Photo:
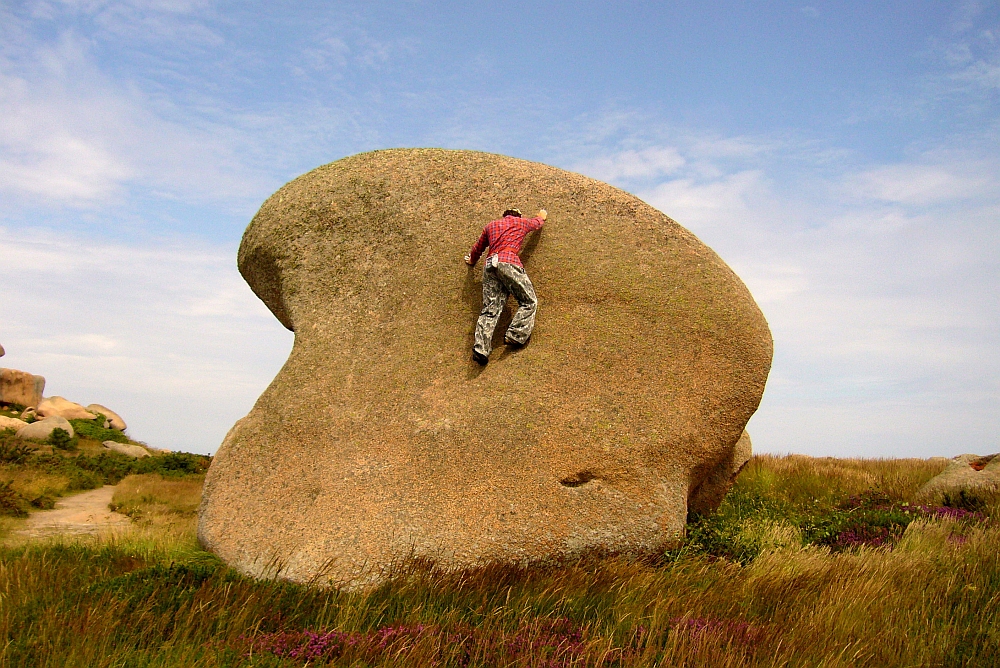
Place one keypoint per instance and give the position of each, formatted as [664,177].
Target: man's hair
[512,212]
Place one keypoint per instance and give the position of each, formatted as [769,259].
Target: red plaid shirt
[504,237]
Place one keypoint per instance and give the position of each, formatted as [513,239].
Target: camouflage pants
[498,284]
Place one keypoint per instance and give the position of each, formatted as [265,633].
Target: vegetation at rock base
[809,562]
[94,430]
[33,474]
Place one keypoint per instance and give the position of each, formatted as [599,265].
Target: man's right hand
[468,260]
[542,213]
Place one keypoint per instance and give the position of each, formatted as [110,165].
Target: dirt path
[81,514]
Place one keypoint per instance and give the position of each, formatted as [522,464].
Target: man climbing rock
[504,275]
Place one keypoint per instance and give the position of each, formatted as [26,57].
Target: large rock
[965,472]
[381,440]
[20,387]
[136,451]
[44,428]
[57,406]
[10,423]
[115,420]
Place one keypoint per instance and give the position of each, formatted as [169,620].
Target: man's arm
[477,249]
[539,220]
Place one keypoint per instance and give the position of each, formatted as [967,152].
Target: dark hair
[512,212]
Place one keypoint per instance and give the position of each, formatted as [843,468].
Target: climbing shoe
[512,343]
[479,358]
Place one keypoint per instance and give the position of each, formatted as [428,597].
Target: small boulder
[136,451]
[20,387]
[114,419]
[968,472]
[44,428]
[10,423]
[28,412]
[58,406]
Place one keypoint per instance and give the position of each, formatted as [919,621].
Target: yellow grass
[158,503]
[36,485]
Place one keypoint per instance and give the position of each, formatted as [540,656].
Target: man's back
[504,238]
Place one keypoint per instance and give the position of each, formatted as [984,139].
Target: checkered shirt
[504,237]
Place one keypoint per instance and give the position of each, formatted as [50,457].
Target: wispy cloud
[73,136]
[645,164]
[923,184]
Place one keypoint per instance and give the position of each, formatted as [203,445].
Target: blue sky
[842,157]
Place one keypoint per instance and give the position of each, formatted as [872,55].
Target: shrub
[111,467]
[60,438]
[13,452]
[11,503]
[94,430]
[757,515]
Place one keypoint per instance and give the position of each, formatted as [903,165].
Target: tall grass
[928,597]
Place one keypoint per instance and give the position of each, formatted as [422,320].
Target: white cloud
[73,136]
[700,203]
[168,335]
[44,146]
[644,164]
[923,184]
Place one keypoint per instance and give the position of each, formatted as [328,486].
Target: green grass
[757,584]
[94,430]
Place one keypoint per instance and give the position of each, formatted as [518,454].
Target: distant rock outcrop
[42,429]
[381,440]
[115,420]
[58,406]
[20,387]
[965,472]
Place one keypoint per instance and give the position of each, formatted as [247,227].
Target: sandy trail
[81,514]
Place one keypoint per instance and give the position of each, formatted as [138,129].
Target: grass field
[809,562]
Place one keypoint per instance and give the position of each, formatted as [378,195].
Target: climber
[504,275]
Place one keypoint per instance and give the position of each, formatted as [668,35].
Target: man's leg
[517,282]
[494,299]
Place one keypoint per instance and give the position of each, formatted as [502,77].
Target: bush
[111,467]
[11,503]
[60,438]
[754,518]
[94,430]
[12,452]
